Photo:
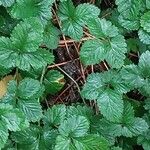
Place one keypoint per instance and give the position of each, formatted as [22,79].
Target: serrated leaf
[25,96]
[21,52]
[75,126]
[6,3]
[144,36]
[107,88]
[28,8]
[31,109]
[110,102]
[86,11]
[51,36]
[131,75]
[92,52]
[30,88]
[128,126]
[144,64]
[63,143]
[91,142]
[80,111]
[130,8]
[55,116]
[145,21]
[144,140]
[74,19]
[54,81]
[133,24]
[3,134]
[111,45]
[12,118]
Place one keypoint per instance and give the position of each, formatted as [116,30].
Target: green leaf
[148,4]
[55,116]
[75,126]
[12,118]
[53,81]
[111,102]
[6,3]
[27,139]
[128,126]
[110,45]
[144,64]
[80,111]
[145,23]
[92,52]
[74,19]
[31,109]
[107,88]
[3,134]
[144,140]
[130,8]
[131,75]
[51,36]
[144,36]
[86,11]
[101,28]
[26,36]
[30,89]
[63,143]
[28,8]
[25,96]
[133,24]
[91,142]
[23,45]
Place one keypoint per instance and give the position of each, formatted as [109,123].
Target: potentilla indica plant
[108,118]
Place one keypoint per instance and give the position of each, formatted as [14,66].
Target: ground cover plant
[75,74]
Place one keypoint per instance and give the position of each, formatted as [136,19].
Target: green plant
[111,115]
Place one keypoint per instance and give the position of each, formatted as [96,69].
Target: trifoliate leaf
[144,140]
[27,35]
[74,19]
[145,23]
[130,8]
[75,126]
[128,126]
[51,36]
[110,45]
[55,116]
[31,109]
[54,81]
[3,134]
[6,3]
[30,88]
[21,51]
[90,142]
[107,88]
[144,36]
[25,96]
[28,8]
